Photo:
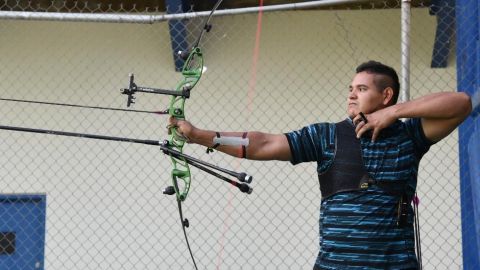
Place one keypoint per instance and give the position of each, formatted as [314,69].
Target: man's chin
[351,114]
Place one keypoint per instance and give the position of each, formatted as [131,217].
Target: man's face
[364,96]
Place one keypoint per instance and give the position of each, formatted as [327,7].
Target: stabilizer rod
[243,177]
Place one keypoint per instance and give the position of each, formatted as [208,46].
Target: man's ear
[387,96]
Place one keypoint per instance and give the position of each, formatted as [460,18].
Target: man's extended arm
[441,113]
[262,146]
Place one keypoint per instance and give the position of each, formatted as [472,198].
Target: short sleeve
[309,143]
[415,130]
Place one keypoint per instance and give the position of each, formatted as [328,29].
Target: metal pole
[405,50]
[151,19]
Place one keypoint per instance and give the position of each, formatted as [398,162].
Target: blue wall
[22,218]
[468,73]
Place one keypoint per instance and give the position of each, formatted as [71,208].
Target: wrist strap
[244,147]
[210,149]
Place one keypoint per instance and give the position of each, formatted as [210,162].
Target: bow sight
[133,88]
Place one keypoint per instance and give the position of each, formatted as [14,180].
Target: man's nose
[352,94]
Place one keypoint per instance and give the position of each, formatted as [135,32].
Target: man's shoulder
[320,127]
[403,126]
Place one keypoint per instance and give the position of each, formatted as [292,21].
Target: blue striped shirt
[358,229]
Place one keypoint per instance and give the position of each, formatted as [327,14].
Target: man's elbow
[465,105]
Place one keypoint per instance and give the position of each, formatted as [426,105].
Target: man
[367,166]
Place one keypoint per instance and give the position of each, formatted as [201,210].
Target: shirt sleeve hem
[293,160]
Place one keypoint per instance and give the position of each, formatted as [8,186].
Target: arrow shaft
[79,135]
[77,106]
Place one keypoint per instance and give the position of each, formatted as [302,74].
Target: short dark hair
[389,78]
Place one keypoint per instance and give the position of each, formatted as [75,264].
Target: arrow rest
[186,90]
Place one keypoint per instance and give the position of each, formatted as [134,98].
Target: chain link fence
[104,203]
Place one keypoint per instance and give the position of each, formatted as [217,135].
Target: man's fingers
[172,124]
[172,120]
[364,128]
[363,117]
[359,126]
[357,120]
[376,131]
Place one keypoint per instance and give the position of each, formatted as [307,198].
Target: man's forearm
[440,113]
[445,105]
[206,138]
[261,146]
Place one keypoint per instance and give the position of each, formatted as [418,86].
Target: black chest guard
[347,172]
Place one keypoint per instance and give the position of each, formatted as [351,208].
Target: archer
[367,166]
